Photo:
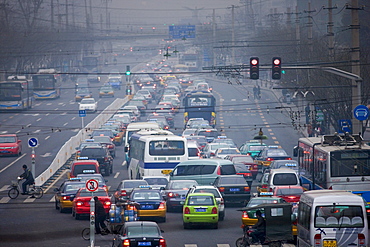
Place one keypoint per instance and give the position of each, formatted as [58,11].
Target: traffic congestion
[155,135]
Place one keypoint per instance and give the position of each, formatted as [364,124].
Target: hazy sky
[168,11]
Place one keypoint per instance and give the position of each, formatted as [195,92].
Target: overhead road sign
[182,31]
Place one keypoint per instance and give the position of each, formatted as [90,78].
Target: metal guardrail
[68,149]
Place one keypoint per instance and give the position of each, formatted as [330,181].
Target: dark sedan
[233,188]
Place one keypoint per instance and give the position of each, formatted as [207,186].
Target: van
[204,171]
[193,150]
[282,177]
[332,218]
[83,166]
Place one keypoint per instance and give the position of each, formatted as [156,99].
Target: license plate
[166,172]
[330,243]
[200,210]
[147,207]
[144,244]
[234,189]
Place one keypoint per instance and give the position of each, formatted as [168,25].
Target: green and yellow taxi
[63,194]
[252,148]
[151,203]
[106,91]
[200,209]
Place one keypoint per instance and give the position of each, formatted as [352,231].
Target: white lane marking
[4,132]
[20,157]
[28,125]
[116,175]
[5,187]
[18,131]
[29,199]
[190,245]
[47,114]
[124,163]
[5,200]
[36,131]
[52,199]
[223,245]
[73,118]
[47,137]
[39,119]
[233,99]
[65,124]
[45,155]
[63,114]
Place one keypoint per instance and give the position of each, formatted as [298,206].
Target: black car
[233,188]
[139,233]
[102,155]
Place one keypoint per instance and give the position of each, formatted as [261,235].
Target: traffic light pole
[33,162]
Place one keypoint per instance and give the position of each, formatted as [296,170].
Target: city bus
[46,84]
[155,152]
[200,104]
[135,127]
[16,94]
[337,162]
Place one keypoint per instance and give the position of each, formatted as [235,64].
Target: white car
[221,153]
[88,104]
[132,108]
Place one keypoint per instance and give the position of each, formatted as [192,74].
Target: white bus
[154,153]
[135,127]
[332,218]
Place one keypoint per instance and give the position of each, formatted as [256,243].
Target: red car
[10,144]
[81,202]
[290,194]
[246,160]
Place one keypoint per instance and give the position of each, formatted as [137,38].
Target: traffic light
[276,68]
[254,69]
[128,72]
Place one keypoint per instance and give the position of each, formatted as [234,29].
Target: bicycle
[33,190]
[86,231]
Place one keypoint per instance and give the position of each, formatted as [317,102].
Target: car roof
[140,223]
[202,194]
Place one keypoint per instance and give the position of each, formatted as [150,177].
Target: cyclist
[260,229]
[27,175]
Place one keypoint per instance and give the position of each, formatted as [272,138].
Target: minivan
[282,176]
[204,171]
[332,218]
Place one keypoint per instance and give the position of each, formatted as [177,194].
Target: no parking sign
[92,185]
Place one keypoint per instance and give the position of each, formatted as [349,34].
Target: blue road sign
[345,125]
[82,113]
[182,31]
[361,112]
[33,142]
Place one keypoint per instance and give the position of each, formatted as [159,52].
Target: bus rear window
[168,148]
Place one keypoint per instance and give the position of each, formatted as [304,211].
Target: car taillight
[269,159]
[161,205]
[123,193]
[107,203]
[66,198]
[162,243]
[186,210]
[126,242]
[245,215]
[171,194]
[249,154]
[246,189]
[166,127]
[361,240]
[219,171]
[214,210]
[110,146]
[79,203]
[288,158]
[264,186]
[317,240]
[212,154]
[221,189]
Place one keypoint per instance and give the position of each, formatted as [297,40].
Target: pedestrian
[100,216]
[27,175]
[259,92]
[255,92]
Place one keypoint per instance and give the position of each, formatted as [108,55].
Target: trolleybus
[46,84]
[155,152]
[338,162]
[16,94]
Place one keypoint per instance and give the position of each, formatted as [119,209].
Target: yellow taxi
[249,217]
[151,203]
[118,131]
[268,154]
[263,186]
[63,194]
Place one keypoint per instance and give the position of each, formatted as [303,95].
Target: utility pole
[214,34]
[67,24]
[52,14]
[330,33]
[309,25]
[355,62]
[233,35]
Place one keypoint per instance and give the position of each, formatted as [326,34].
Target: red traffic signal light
[254,68]
[276,68]
[33,156]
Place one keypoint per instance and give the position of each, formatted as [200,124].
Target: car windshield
[81,169]
[156,181]
[140,231]
[228,151]
[256,202]
[200,200]
[246,159]
[289,191]
[255,148]
[212,191]
[73,187]
[277,152]
[133,184]
[87,101]
[182,185]
[92,152]
[146,195]
[7,139]
[105,139]
[85,193]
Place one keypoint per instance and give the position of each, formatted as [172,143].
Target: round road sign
[92,185]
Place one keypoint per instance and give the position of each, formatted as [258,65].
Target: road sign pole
[33,163]
[92,221]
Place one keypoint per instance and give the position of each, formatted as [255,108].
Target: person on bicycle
[259,232]
[27,175]
[100,215]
